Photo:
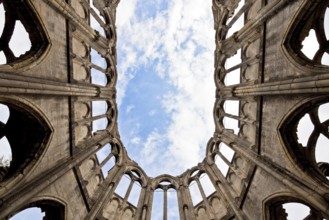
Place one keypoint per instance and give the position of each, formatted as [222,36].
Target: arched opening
[18,141]
[200,187]
[106,159]
[306,136]
[18,23]
[223,158]
[308,37]
[41,210]
[129,188]
[288,208]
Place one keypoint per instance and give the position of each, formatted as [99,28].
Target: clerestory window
[309,35]
[45,209]
[20,146]
[306,135]
[22,36]
[288,208]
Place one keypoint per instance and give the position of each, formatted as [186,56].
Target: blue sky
[166,90]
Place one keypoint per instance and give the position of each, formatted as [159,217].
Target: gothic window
[233,69]
[223,157]
[106,159]
[231,115]
[200,187]
[306,134]
[96,19]
[99,115]
[309,36]
[236,21]
[5,153]
[18,141]
[286,208]
[165,202]
[129,187]
[21,35]
[45,209]
[98,69]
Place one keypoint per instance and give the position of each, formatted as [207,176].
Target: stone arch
[27,145]
[304,156]
[308,17]
[273,207]
[52,207]
[39,39]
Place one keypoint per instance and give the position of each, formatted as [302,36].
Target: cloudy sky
[166,90]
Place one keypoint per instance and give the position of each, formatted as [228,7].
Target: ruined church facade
[53,89]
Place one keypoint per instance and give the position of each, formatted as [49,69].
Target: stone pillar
[307,190]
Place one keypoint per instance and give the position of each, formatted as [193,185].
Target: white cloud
[129,108]
[180,41]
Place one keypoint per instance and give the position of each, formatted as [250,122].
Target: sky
[166,90]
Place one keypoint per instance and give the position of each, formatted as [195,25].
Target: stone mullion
[15,84]
[165,203]
[144,205]
[185,201]
[93,12]
[101,48]
[244,9]
[243,64]
[96,67]
[88,120]
[107,158]
[228,163]
[307,190]
[107,190]
[241,119]
[131,184]
[120,209]
[210,211]
[98,168]
[23,193]
[86,63]
[231,166]
[224,188]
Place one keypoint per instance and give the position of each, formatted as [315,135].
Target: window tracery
[26,145]
[200,187]
[165,201]
[223,157]
[305,133]
[44,209]
[308,37]
[286,207]
[22,36]
[129,187]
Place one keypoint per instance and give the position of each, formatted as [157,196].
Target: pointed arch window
[22,36]
[45,209]
[18,141]
[165,202]
[309,35]
[286,207]
[306,136]
[200,187]
[129,188]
